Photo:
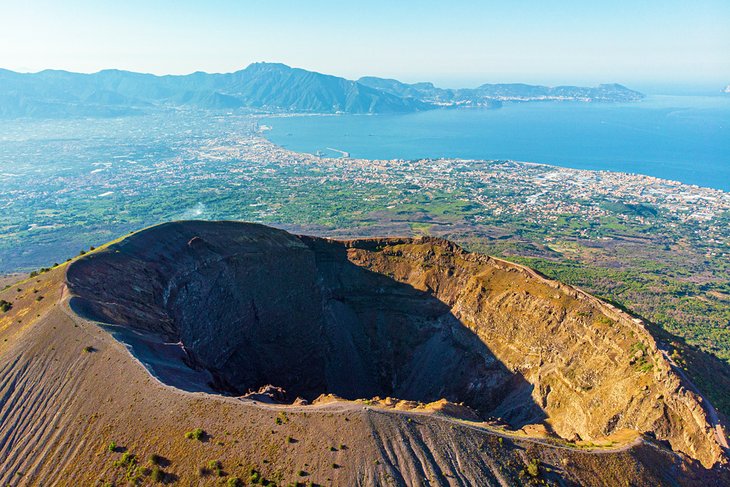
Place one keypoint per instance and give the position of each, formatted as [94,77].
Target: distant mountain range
[261,86]
[490,95]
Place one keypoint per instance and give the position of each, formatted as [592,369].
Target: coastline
[646,179]
[657,136]
[507,190]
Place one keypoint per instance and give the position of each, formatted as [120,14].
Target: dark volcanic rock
[234,307]
[256,306]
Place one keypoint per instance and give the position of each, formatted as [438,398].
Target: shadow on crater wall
[230,307]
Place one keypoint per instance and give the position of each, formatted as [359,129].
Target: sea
[682,138]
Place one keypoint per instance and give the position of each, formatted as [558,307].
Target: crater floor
[254,306]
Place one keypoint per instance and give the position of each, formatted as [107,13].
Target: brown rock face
[233,307]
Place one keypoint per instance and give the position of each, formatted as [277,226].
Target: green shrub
[644,367]
[127,460]
[156,474]
[196,434]
[234,482]
[134,474]
[640,357]
[216,466]
[112,447]
[605,320]
[255,478]
[5,306]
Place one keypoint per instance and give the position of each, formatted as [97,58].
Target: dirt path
[529,439]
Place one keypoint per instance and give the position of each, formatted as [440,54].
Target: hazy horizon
[441,81]
[455,45]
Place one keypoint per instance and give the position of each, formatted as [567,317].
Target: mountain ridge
[270,87]
[491,95]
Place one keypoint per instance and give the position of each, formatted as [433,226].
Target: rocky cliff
[414,319]
[361,362]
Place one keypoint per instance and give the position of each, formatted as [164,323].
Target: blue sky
[453,42]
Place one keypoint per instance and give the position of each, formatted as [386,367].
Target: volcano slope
[378,361]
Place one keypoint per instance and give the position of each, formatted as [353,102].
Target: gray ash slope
[397,315]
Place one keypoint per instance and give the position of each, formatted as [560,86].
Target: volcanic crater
[231,307]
